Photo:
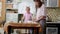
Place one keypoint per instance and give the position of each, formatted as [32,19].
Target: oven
[52,28]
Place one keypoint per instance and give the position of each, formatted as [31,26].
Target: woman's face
[36,4]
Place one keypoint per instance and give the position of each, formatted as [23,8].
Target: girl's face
[28,9]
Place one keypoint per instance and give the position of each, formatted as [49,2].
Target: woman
[40,13]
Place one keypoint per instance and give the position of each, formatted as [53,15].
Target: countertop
[52,22]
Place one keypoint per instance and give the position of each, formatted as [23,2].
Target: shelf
[11,9]
[9,3]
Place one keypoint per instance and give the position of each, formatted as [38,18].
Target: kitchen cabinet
[11,17]
[59,3]
[11,10]
[12,6]
[12,3]
[52,3]
[9,3]
[2,17]
[0,8]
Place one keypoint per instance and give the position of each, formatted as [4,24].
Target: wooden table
[35,27]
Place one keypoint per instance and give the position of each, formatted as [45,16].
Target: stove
[52,28]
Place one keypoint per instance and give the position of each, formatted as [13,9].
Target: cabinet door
[51,30]
[11,17]
[2,16]
[59,3]
[51,3]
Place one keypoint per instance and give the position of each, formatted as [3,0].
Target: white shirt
[41,12]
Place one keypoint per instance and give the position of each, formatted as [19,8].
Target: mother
[40,13]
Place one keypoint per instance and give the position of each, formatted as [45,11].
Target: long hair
[39,2]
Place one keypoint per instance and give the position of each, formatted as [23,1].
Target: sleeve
[43,11]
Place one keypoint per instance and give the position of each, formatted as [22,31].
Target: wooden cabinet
[2,17]
[59,3]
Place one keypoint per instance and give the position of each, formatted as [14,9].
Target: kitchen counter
[52,22]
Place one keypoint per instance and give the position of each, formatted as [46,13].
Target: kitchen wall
[54,14]
[26,3]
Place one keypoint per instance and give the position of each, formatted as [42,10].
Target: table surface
[20,25]
[24,25]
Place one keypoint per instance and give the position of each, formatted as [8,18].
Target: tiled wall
[54,14]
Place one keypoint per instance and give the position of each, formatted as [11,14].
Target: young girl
[27,17]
